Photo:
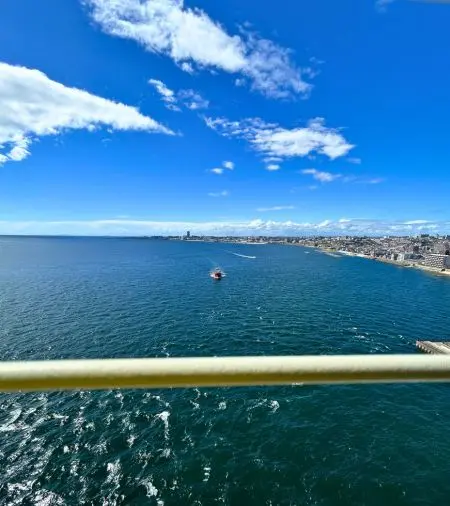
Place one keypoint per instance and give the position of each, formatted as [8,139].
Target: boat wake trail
[242,256]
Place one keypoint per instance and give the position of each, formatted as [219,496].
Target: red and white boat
[217,274]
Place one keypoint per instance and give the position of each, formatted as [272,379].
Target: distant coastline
[405,264]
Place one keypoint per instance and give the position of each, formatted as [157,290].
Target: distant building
[437,261]
[442,248]
[188,234]
[408,256]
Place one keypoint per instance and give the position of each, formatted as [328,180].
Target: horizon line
[200,237]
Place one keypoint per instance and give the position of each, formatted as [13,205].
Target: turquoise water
[327,445]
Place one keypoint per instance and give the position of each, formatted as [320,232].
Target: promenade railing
[221,371]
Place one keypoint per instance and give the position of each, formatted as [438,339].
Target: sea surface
[296,445]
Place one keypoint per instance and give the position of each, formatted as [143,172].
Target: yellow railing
[220,371]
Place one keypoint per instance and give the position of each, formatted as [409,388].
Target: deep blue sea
[298,445]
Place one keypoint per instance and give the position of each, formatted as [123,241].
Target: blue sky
[133,117]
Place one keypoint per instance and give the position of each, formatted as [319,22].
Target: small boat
[217,274]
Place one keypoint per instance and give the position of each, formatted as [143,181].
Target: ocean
[293,445]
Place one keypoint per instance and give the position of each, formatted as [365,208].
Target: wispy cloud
[32,106]
[167,95]
[362,179]
[417,222]
[328,177]
[20,150]
[169,28]
[275,208]
[124,227]
[272,167]
[192,100]
[322,176]
[188,98]
[354,160]
[187,67]
[223,193]
[277,142]
[228,165]
[270,159]
[381,5]
[270,70]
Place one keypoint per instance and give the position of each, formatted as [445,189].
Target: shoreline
[404,264]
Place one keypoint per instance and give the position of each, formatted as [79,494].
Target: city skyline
[158,117]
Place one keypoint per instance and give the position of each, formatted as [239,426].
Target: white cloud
[324,224]
[32,106]
[276,142]
[328,177]
[225,165]
[194,41]
[270,159]
[228,165]
[193,100]
[167,95]
[323,177]
[20,150]
[188,98]
[124,227]
[271,71]
[272,166]
[362,180]
[275,208]
[416,222]
[223,193]
[187,67]
[356,161]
